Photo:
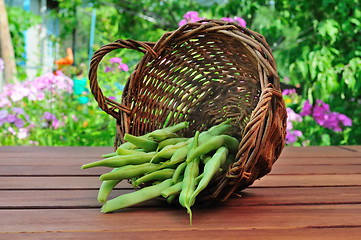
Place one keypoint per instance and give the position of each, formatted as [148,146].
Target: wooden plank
[308,180]
[318,161]
[35,183]
[249,197]
[145,220]
[20,183]
[352,233]
[45,152]
[49,161]
[316,169]
[44,170]
[319,151]
[356,148]
[75,170]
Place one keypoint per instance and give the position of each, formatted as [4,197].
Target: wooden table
[311,193]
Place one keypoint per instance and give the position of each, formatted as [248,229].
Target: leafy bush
[51,110]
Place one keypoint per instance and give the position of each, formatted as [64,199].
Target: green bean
[176,188]
[171,198]
[214,143]
[123,151]
[168,151]
[109,155]
[177,127]
[188,185]
[156,175]
[129,171]
[128,145]
[170,141]
[190,173]
[121,160]
[136,197]
[161,134]
[178,172]
[210,169]
[141,142]
[106,187]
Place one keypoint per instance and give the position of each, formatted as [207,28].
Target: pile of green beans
[162,163]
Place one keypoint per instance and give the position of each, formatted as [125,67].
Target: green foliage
[19,21]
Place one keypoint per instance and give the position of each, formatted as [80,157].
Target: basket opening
[203,80]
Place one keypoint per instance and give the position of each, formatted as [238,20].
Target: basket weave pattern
[204,73]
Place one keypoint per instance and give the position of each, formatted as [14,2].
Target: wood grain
[311,192]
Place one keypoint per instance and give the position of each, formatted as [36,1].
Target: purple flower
[307,109]
[344,119]
[18,110]
[19,123]
[107,69]
[11,118]
[289,91]
[3,113]
[292,136]
[3,116]
[48,116]
[51,120]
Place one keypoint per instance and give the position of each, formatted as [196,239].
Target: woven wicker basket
[204,73]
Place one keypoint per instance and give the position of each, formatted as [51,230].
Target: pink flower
[240,21]
[11,130]
[123,67]
[23,133]
[115,60]
[292,116]
[190,16]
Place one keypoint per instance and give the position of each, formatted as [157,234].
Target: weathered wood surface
[311,193]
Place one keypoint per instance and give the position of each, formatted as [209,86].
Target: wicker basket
[204,73]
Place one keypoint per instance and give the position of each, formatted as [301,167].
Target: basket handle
[107,104]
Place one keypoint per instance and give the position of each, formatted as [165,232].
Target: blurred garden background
[46,46]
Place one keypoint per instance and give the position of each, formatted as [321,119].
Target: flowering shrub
[46,111]
[315,124]
[193,16]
